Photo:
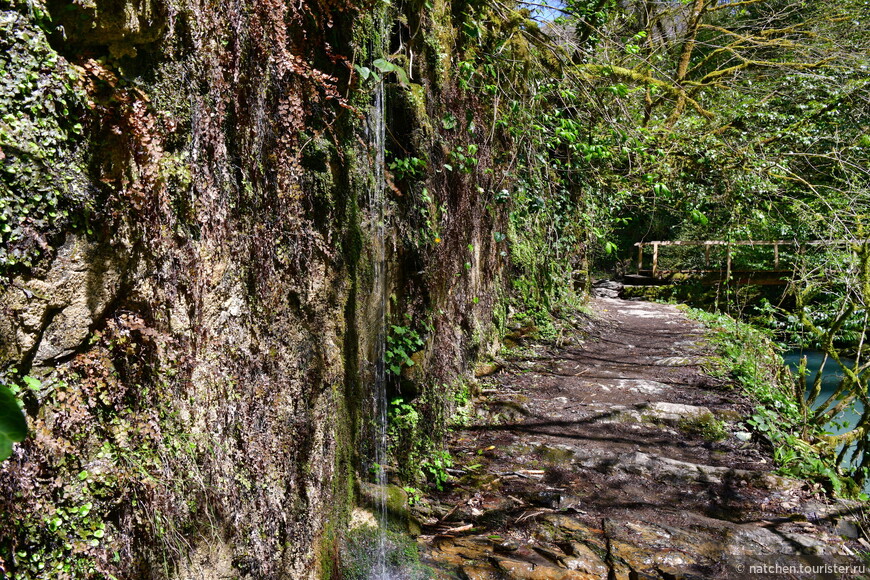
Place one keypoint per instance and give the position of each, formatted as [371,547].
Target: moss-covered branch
[593,71]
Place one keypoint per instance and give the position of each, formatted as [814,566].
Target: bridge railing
[783,253]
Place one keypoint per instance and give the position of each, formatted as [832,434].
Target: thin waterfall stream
[379,285]
[377,135]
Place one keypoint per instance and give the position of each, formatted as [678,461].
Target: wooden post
[727,262]
[639,257]
[775,256]
[655,259]
[707,254]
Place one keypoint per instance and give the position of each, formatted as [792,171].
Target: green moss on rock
[42,180]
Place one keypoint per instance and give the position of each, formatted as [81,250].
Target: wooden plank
[709,277]
[715,271]
[751,242]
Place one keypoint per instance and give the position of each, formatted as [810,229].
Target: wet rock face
[120,25]
[196,332]
[177,326]
[399,515]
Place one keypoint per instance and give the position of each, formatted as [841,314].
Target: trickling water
[379,286]
[377,135]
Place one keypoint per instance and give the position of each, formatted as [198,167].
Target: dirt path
[619,458]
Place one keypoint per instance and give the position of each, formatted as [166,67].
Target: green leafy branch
[385,67]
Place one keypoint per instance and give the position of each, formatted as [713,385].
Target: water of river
[832,374]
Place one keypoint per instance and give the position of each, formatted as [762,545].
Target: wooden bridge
[779,272]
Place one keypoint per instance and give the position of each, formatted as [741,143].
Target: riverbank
[620,455]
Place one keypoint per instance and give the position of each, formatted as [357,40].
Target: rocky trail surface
[619,457]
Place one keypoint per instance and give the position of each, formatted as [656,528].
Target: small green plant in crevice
[405,439]
[404,418]
[448,122]
[402,343]
[462,395]
[463,159]
[408,168]
[385,67]
[415,496]
[463,407]
[431,217]
[705,426]
[531,313]
[413,447]
[435,467]
[13,427]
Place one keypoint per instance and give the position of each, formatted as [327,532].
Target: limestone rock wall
[184,310]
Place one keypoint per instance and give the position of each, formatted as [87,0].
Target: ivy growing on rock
[42,186]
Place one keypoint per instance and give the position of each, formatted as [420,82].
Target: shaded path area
[620,458]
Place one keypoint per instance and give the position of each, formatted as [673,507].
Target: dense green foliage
[711,120]
[727,123]
[801,449]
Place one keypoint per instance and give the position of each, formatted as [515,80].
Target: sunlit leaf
[13,426]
